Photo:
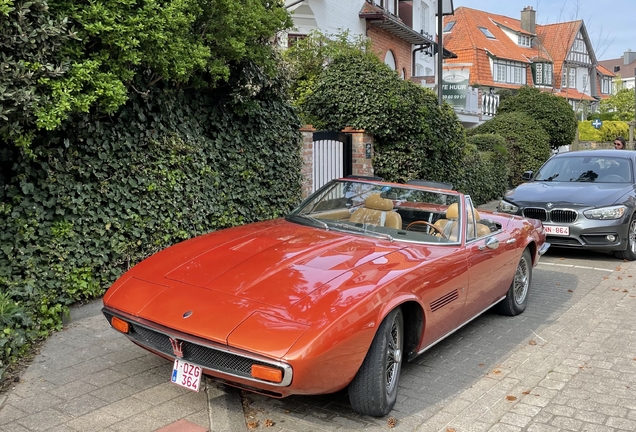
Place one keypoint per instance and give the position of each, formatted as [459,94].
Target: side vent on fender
[444,300]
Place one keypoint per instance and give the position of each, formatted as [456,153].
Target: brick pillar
[308,159]
[362,148]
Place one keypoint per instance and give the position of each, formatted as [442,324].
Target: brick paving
[567,364]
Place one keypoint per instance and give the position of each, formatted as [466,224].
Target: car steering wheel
[441,233]
[614,177]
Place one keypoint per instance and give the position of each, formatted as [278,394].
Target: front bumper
[591,234]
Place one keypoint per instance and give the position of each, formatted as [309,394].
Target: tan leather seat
[377,211]
[448,226]
[482,230]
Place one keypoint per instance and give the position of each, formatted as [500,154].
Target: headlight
[506,207]
[614,212]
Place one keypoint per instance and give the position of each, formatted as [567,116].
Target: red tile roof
[472,46]
[557,40]
[604,71]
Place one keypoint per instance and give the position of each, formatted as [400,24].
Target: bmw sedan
[585,199]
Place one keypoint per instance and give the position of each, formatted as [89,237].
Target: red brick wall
[361,164]
[384,41]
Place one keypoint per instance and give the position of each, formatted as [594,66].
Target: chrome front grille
[554,215]
[535,213]
[205,356]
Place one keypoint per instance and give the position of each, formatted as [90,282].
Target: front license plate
[186,374]
[556,230]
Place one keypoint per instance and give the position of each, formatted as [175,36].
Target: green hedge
[101,194]
[607,132]
[413,136]
[526,141]
[484,174]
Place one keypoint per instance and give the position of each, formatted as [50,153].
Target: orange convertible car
[361,277]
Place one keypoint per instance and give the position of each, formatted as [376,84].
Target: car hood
[575,194]
[235,285]
[275,263]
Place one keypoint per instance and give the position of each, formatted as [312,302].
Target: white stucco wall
[330,17]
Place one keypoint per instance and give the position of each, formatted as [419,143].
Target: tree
[526,141]
[553,113]
[414,137]
[621,105]
[185,43]
[309,56]
[31,41]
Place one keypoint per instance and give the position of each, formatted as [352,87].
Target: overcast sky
[610,23]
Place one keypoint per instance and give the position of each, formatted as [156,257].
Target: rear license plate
[186,374]
[556,230]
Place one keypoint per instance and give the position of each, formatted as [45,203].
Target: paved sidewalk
[576,372]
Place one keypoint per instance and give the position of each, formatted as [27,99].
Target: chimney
[629,56]
[529,19]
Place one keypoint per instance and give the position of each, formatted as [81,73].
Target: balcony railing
[390,6]
[489,104]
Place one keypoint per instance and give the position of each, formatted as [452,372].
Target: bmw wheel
[629,253]
[517,296]
[373,391]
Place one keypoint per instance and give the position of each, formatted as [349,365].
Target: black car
[585,199]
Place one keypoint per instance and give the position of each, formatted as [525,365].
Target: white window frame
[509,72]
[548,74]
[424,14]
[523,40]
[538,73]
[572,78]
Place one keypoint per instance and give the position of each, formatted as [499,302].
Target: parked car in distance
[585,199]
[361,277]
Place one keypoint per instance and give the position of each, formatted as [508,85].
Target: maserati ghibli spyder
[361,277]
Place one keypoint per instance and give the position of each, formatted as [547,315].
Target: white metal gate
[332,157]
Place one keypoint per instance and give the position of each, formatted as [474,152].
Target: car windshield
[392,212]
[601,169]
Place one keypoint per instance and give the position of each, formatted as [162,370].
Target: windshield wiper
[362,230]
[312,219]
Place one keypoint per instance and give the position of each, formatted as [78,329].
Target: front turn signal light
[267,373]
[120,324]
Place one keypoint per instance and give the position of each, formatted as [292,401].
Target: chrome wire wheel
[393,356]
[521,281]
[631,236]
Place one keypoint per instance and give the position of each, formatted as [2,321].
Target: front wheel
[629,254]
[373,391]
[517,296]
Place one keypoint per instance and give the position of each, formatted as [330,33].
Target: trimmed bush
[484,174]
[607,132]
[553,113]
[526,141]
[101,194]
[414,138]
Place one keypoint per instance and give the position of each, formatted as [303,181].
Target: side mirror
[527,176]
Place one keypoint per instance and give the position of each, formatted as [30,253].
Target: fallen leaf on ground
[532,342]
[450,430]
[511,398]
[570,291]
[391,422]
[496,371]
[619,278]
[625,291]
[269,423]
[252,425]
[525,392]
[605,277]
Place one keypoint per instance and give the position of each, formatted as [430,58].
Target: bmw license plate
[186,374]
[556,230]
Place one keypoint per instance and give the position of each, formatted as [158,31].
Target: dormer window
[448,27]
[487,33]
[524,40]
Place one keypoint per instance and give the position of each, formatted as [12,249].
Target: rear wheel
[373,391]
[517,296]
[629,253]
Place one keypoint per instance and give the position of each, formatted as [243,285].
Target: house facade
[623,69]
[402,32]
[501,52]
